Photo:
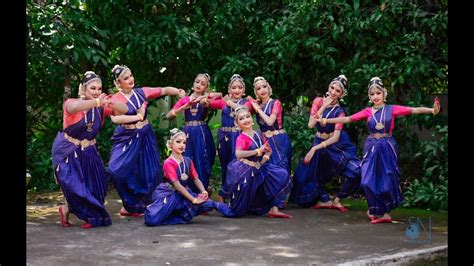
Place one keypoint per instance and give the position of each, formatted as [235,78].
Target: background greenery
[299,46]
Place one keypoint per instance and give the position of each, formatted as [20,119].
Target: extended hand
[436,106]
[181,93]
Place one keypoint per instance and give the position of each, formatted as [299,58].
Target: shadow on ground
[312,237]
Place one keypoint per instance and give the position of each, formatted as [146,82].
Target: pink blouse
[170,167]
[317,103]
[71,119]
[397,110]
[220,104]
[152,92]
[278,111]
[243,142]
[181,102]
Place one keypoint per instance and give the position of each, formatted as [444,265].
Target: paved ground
[313,237]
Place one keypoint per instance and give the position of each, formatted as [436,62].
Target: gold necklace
[379,124]
[183,175]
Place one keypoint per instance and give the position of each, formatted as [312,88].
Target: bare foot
[220,199]
[278,214]
[124,212]
[327,203]
[338,206]
[64,215]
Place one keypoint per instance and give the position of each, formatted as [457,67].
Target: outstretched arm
[103,100]
[425,110]
[173,91]
[422,110]
[402,110]
[75,106]
[342,120]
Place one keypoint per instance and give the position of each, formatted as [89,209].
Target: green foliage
[296,125]
[435,154]
[38,159]
[432,190]
[426,194]
[298,46]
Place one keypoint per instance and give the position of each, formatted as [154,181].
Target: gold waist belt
[251,163]
[380,135]
[138,124]
[84,143]
[271,133]
[195,123]
[229,129]
[324,135]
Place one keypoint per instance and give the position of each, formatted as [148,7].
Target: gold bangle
[140,117]
[97,102]
[204,192]
[324,120]
[324,144]
[434,113]
[195,200]
[173,112]
[266,157]
[258,152]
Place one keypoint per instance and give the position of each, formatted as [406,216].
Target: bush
[432,190]
[39,164]
[296,125]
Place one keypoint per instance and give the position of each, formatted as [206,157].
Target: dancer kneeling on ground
[173,200]
[253,185]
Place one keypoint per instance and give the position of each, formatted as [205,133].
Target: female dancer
[253,184]
[134,159]
[173,200]
[379,166]
[332,154]
[228,132]
[269,116]
[77,165]
[200,144]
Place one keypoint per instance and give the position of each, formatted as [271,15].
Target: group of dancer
[256,164]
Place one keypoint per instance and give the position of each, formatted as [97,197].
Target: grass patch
[440,218]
